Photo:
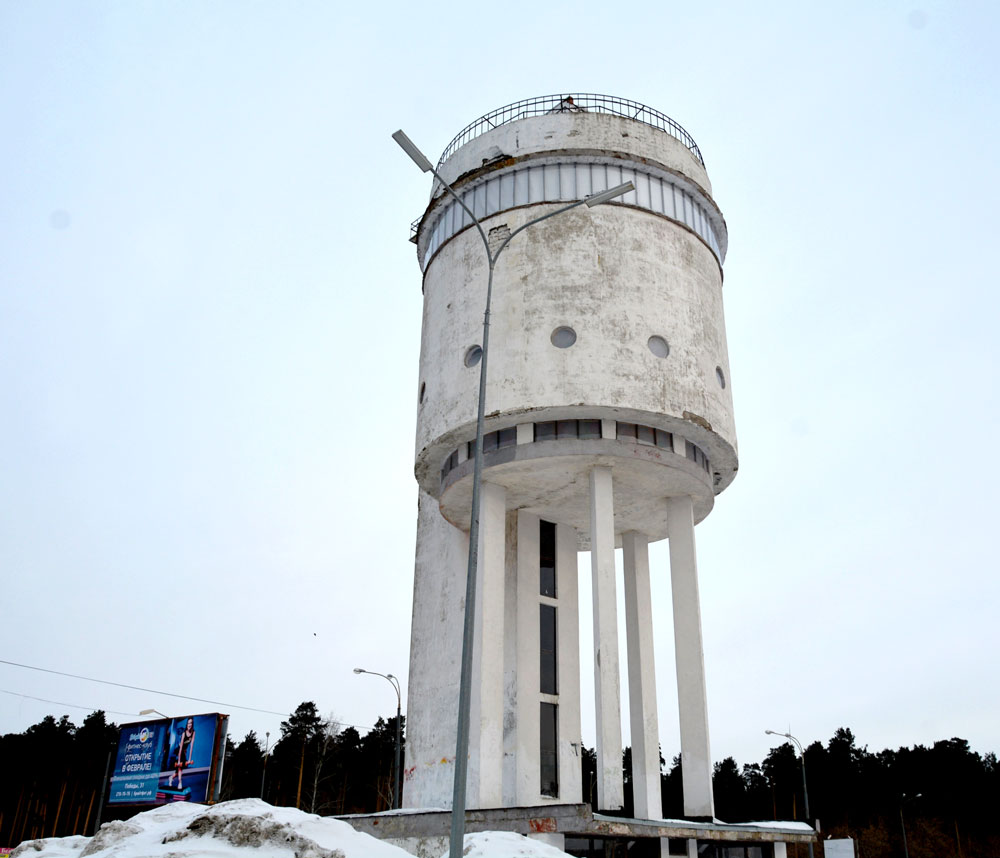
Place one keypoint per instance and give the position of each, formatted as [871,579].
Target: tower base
[576,829]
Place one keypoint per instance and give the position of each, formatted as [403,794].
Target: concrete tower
[609,424]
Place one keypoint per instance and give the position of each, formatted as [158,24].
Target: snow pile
[506,844]
[250,828]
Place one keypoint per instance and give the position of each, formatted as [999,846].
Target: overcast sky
[209,330]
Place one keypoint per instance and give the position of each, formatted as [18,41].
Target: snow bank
[506,844]
[250,828]
[233,829]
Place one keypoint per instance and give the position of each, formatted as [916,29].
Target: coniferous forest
[947,796]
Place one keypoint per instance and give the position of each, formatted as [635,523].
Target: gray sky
[209,323]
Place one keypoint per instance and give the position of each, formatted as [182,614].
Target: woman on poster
[184,754]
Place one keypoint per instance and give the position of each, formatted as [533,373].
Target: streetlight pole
[805,788]
[263,771]
[902,822]
[397,780]
[465,687]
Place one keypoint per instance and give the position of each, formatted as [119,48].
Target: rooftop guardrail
[575,102]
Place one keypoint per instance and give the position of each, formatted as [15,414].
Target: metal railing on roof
[575,102]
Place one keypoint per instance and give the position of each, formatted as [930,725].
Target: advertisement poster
[164,761]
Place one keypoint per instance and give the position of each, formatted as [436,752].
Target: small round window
[563,337]
[658,346]
[720,377]
[473,355]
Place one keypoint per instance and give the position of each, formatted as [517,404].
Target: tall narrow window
[547,637]
[547,559]
[549,750]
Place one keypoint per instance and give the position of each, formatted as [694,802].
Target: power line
[140,688]
[71,705]
[148,690]
[114,711]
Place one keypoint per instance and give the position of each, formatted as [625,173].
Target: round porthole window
[658,346]
[563,337]
[473,355]
[720,376]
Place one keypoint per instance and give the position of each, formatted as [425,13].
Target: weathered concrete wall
[435,659]
[617,277]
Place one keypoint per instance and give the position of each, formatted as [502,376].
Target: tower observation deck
[609,424]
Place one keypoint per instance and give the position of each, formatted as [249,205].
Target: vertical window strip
[643,191]
[567,182]
[548,757]
[493,196]
[547,672]
[507,190]
[547,559]
[521,194]
[536,184]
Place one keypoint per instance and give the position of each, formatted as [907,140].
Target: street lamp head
[609,194]
[358,670]
[406,144]
[770,733]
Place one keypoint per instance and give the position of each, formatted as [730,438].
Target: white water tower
[609,424]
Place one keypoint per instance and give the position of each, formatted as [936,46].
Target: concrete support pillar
[485,774]
[510,657]
[435,658]
[568,642]
[692,696]
[641,679]
[610,788]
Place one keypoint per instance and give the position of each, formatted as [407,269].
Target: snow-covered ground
[250,827]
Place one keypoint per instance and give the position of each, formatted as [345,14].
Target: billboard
[174,759]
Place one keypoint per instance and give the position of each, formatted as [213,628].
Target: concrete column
[610,788]
[510,656]
[568,643]
[692,696]
[485,774]
[641,679]
[435,658]
[527,776]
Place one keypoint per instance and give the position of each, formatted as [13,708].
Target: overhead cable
[140,688]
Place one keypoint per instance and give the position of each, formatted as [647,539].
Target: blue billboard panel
[168,760]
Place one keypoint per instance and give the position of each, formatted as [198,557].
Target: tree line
[947,796]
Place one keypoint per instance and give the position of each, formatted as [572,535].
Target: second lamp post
[805,789]
[397,780]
